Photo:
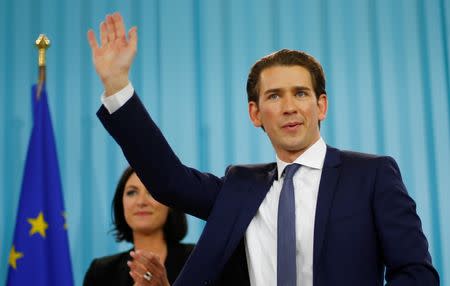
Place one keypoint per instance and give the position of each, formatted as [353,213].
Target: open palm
[113,58]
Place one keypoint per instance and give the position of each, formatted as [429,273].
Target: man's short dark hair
[286,57]
[175,228]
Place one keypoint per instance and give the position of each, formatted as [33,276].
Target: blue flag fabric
[40,251]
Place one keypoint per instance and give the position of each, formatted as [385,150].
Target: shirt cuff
[113,102]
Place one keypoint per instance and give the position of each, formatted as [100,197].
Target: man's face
[288,110]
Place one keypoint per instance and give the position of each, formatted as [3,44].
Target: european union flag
[40,251]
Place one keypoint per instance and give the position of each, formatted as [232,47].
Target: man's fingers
[92,40]
[110,28]
[132,36]
[103,33]
[119,26]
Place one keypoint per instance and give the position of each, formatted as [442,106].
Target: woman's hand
[146,269]
[113,58]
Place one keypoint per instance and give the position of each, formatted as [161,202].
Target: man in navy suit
[355,224]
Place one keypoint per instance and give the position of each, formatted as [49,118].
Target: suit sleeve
[148,152]
[404,245]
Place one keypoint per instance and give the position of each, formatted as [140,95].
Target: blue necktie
[286,250]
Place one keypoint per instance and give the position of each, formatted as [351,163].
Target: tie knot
[290,170]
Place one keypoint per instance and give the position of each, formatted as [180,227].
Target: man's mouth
[291,125]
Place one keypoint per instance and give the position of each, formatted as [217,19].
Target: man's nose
[289,104]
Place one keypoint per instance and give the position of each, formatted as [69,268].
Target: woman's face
[142,212]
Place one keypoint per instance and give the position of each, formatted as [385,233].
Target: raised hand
[113,58]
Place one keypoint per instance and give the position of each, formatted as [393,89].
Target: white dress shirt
[261,234]
[117,100]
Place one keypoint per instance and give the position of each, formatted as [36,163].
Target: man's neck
[290,156]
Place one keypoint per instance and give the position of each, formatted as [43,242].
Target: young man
[317,216]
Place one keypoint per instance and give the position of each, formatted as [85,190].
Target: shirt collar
[313,157]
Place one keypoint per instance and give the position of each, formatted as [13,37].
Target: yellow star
[64,214]
[38,225]
[13,256]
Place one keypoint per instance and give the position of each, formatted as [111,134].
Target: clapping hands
[147,269]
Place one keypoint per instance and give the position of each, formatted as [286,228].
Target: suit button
[207,282]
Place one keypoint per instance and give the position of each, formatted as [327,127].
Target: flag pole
[42,43]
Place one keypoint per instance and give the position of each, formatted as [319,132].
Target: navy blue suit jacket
[366,226]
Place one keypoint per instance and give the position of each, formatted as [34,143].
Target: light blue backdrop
[387,64]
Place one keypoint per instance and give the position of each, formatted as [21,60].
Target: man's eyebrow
[301,87]
[297,87]
[272,90]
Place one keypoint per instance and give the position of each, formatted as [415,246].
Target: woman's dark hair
[175,228]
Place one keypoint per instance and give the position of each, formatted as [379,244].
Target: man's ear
[253,111]
[322,104]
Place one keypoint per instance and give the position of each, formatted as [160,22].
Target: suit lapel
[250,202]
[257,192]
[327,187]
[235,207]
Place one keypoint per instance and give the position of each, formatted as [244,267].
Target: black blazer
[113,269]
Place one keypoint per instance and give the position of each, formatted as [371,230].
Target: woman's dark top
[113,270]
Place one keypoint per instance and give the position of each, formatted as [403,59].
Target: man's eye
[301,93]
[273,96]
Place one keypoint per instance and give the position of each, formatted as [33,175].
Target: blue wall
[387,65]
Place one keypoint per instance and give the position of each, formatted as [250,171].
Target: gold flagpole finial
[42,43]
